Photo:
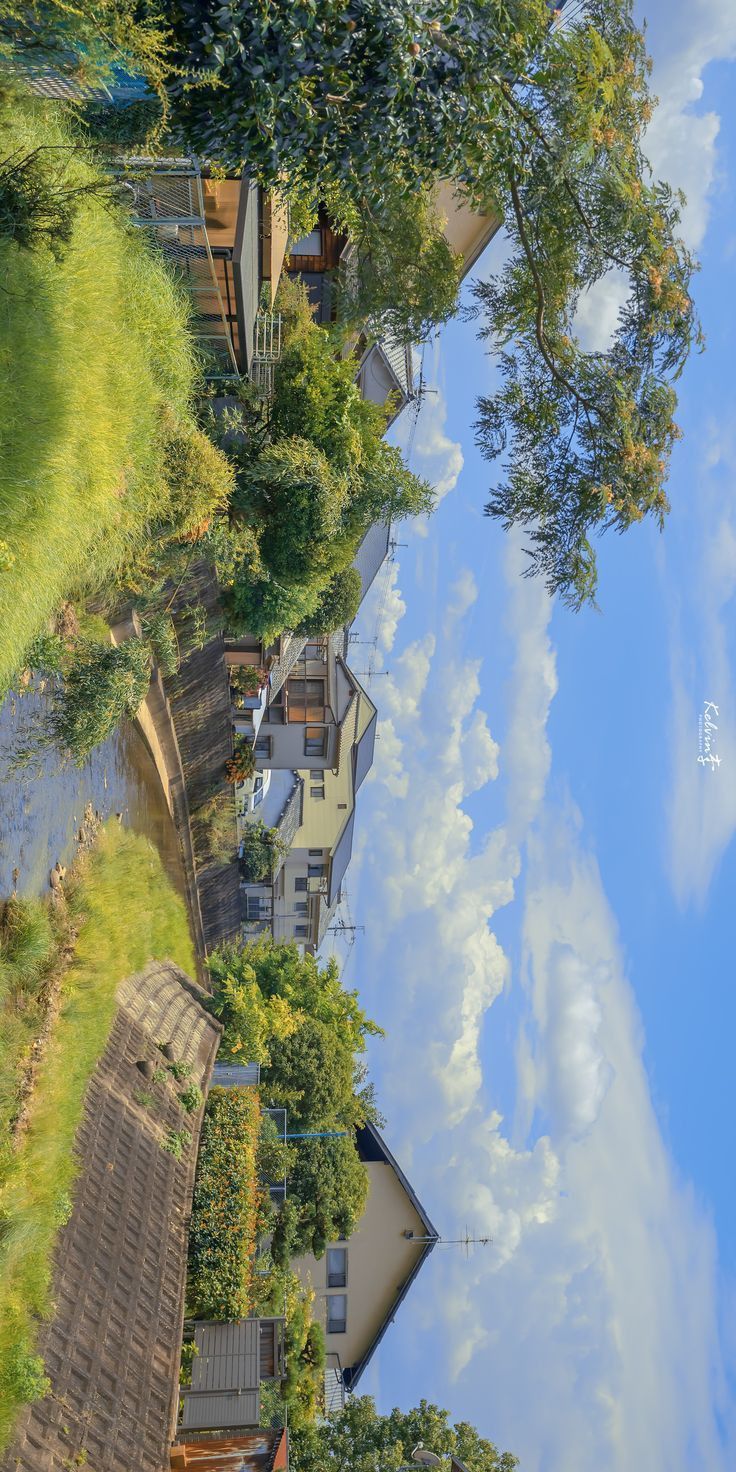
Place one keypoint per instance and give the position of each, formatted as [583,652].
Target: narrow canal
[41,808]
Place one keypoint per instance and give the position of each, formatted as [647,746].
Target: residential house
[308,885]
[226,238]
[314,740]
[360,1283]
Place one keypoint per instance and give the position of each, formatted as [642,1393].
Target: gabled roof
[372,1146]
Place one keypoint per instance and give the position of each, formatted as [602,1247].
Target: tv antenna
[467,1242]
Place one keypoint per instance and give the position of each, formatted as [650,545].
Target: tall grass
[128,913]
[95,354]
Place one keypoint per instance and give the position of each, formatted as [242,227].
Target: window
[301,907]
[309,245]
[318,793]
[313,651]
[337,1313]
[301,931]
[262,747]
[306,700]
[300,886]
[317,776]
[315,741]
[315,871]
[337,1267]
[253,907]
[315,853]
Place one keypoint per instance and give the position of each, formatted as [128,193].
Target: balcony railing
[166,201]
[292,648]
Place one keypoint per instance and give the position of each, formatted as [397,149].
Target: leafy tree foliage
[338,604]
[261,847]
[402,276]
[293,1016]
[359,1440]
[330,1182]
[539,124]
[313,473]
[588,435]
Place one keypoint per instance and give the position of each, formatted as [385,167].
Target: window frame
[340,1275]
[339,1326]
[313,734]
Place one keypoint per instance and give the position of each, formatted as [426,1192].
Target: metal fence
[166,200]
[266,350]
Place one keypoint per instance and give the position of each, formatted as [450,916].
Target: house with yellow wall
[360,1283]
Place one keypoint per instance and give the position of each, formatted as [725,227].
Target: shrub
[191,1098]
[260,848]
[222,1235]
[26,1376]
[159,631]
[133,126]
[214,826]
[102,685]
[242,764]
[179,1071]
[285,1234]
[275,1155]
[176,1142]
[246,679]
[45,654]
[199,479]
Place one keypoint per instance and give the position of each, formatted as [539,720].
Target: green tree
[542,126]
[338,604]
[256,603]
[329,1182]
[402,277]
[298,497]
[359,1440]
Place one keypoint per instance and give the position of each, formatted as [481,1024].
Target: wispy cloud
[686,38]
[586,1333]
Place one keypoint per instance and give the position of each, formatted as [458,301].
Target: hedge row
[222,1235]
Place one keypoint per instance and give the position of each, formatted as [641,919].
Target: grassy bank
[123,912]
[96,366]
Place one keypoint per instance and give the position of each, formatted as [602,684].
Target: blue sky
[545,875]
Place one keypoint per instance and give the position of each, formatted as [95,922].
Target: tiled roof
[112,1349]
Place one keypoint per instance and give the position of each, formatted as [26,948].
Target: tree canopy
[359,1440]
[539,123]
[313,472]
[292,1015]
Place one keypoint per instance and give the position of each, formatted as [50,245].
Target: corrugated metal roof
[400,360]
[372,554]
[364,752]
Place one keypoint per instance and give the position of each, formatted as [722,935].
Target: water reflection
[40,813]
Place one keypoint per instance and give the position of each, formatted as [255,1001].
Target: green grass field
[128,913]
[94,352]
